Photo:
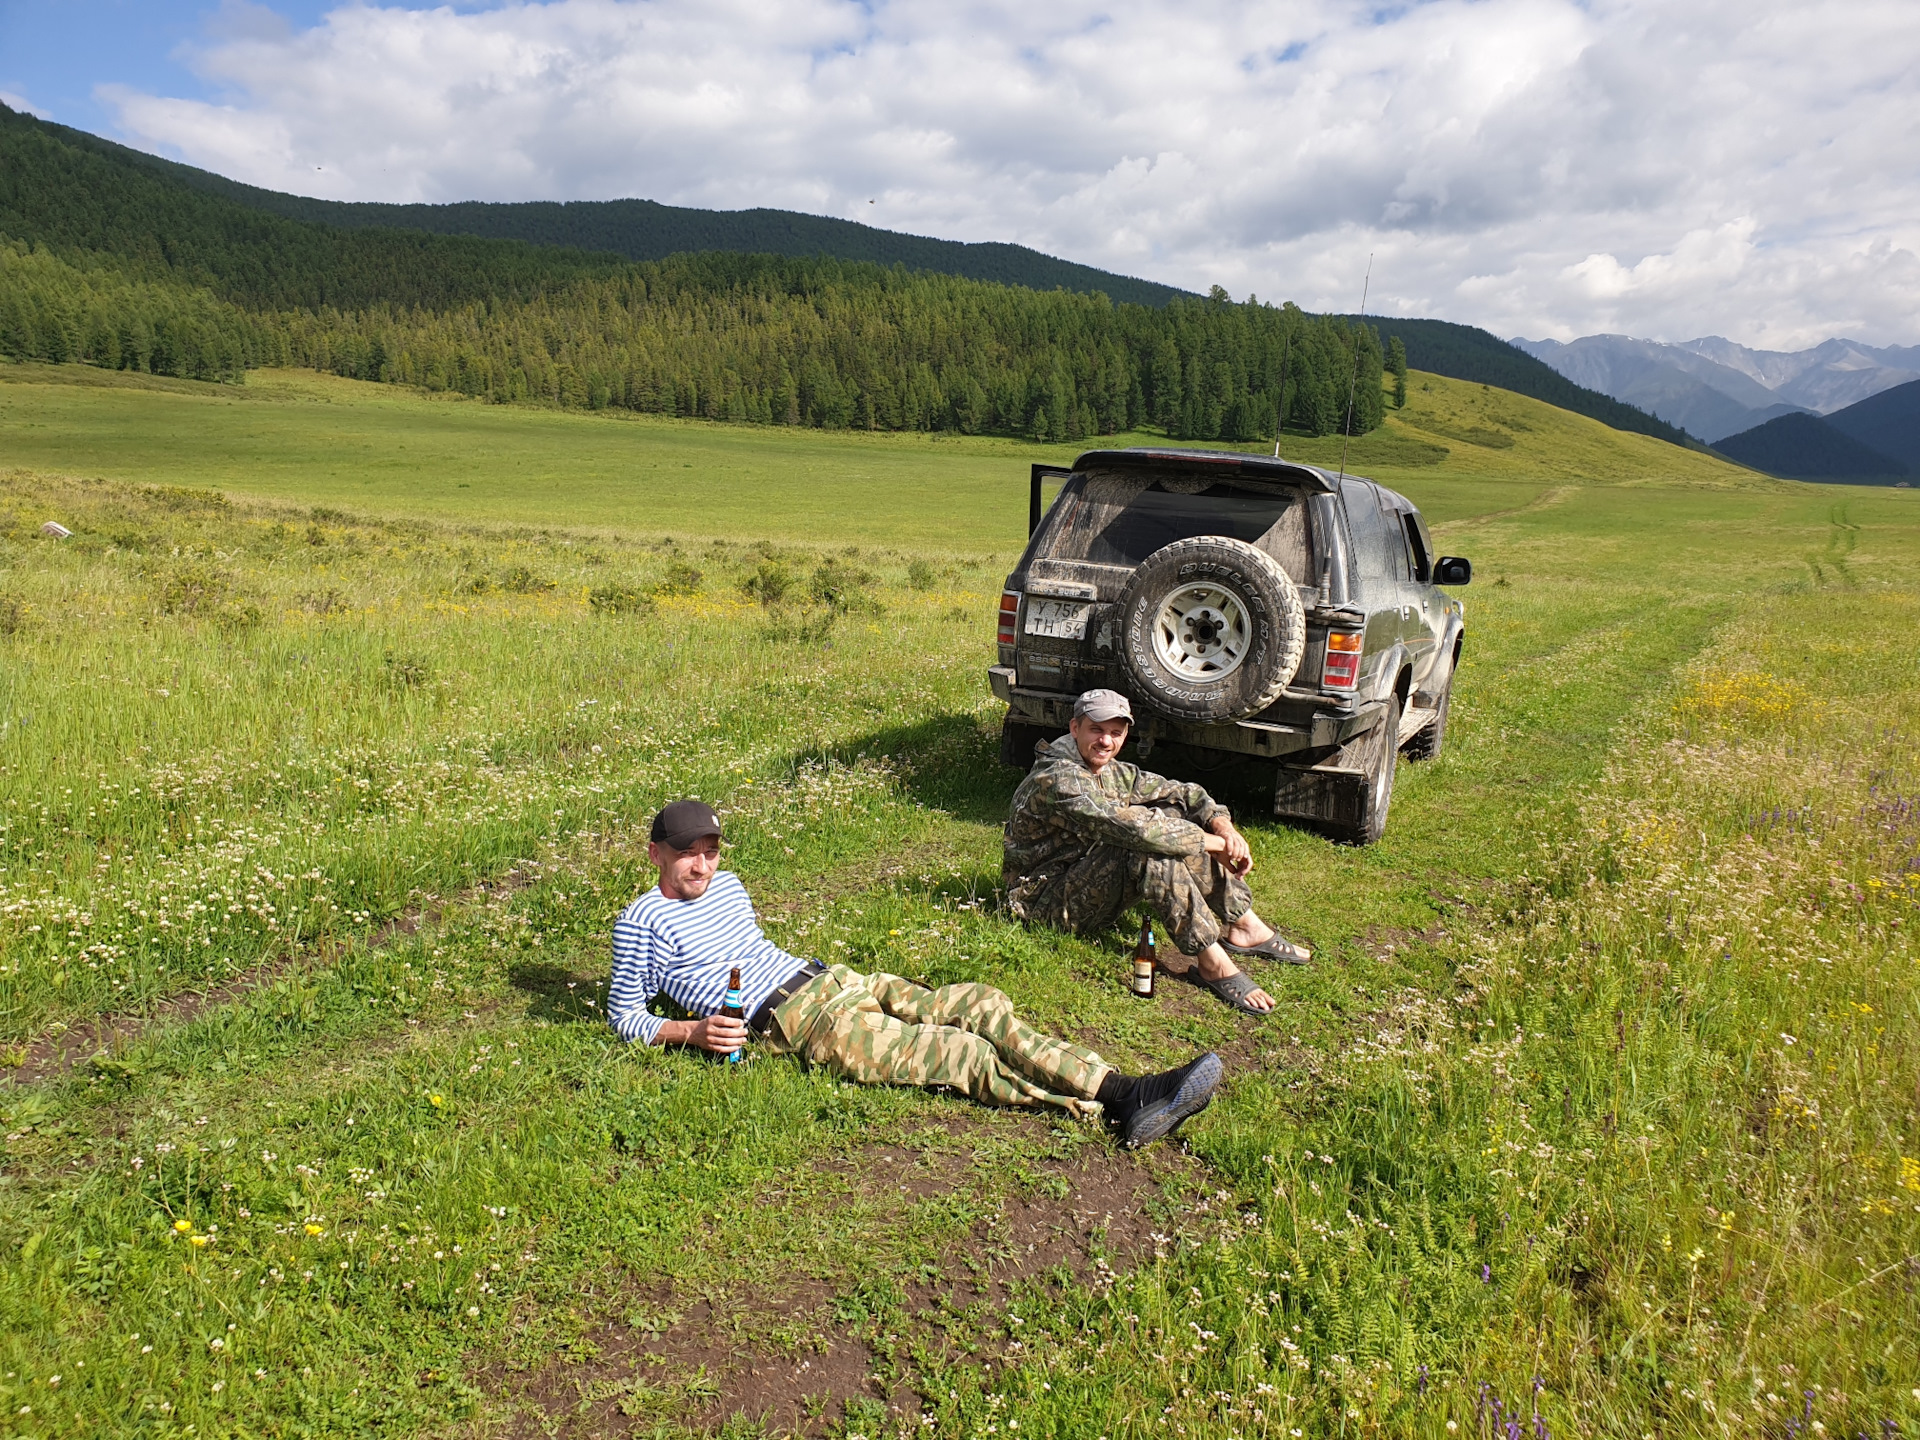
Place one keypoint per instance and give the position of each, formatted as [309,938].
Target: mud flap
[1330,795]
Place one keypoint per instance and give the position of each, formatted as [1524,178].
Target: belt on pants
[761,1020]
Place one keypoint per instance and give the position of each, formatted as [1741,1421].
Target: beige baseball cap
[1103,705]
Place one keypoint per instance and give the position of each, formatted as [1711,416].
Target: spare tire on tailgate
[1211,629]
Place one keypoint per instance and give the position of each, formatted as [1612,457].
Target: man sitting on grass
[1091,836]
[683,938]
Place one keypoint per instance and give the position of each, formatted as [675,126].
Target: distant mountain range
[1876,441]
[1713,388]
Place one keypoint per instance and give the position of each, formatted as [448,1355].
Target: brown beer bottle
[1145,962]
[734,1008]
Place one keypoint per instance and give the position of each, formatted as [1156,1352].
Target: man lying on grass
[684,937]
[1091,836]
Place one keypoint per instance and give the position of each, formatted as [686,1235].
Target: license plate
[1057,619]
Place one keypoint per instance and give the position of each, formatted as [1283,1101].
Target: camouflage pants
[1194,897]
[881,1030]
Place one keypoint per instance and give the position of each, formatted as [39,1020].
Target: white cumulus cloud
[1666,168]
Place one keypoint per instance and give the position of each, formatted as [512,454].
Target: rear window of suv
[1122,518]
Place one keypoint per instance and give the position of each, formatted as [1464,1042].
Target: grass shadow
[559,995]
[952,762]
[948,762]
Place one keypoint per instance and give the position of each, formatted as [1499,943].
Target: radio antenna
[1353,386]
[1286,345]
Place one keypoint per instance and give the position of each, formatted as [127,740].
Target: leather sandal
[1233,989]
[1275,947]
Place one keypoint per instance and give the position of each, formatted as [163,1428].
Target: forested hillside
[648,230]
[744,337]
[115,259]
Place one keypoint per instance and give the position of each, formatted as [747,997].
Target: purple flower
[1486,1274]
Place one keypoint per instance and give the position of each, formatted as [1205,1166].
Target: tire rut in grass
[53,1057]
[56,1055]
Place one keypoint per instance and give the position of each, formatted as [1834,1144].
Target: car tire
[1374,754]
[1018,742]
[1211,629]
[1426,745]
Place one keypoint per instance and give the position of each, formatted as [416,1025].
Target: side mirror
[1452,570]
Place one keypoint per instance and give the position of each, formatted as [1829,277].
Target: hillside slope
[370,448]
[1807,447]
[631,229]
[84,199]
[1888,423]
[1497,434]
[722,334]
[1466,352]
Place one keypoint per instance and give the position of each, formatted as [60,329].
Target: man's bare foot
[1249,929]
[1250,935]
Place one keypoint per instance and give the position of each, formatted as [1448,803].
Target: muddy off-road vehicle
[1250,608]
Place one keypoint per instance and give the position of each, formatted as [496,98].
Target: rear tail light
[1342,668]
[1009,617]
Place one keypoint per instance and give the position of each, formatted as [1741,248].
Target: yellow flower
[198,1239]
[436,1100]
[183,1226]
[313,1229]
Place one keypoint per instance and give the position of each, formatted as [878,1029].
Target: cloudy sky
[1660,168]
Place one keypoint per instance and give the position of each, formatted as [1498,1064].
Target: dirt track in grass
[803,1350]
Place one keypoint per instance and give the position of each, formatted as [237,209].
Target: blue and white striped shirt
[685,949]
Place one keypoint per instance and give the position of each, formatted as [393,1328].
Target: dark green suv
[1249,607]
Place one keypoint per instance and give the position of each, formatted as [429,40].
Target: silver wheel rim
[1202,632]
[1383,778]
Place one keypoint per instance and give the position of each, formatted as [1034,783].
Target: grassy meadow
[1598,1112]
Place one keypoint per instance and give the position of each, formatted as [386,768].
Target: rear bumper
[1310,728]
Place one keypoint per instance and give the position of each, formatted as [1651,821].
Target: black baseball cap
[683,822]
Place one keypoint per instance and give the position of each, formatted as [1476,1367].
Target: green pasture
[1598,1105]
[380,449]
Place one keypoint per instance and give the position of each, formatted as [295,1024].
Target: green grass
[1533,1112]
[377,449]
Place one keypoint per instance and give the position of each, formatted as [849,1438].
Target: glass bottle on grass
[734,1007]
[1145,961]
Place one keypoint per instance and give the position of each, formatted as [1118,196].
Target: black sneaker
[1197,1082]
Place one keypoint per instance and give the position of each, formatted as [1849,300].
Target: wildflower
[1486,1274]
[200,1240]
[436,1101]
[183,1226]
[315,1230]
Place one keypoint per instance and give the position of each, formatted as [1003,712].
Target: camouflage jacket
[1062,810]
